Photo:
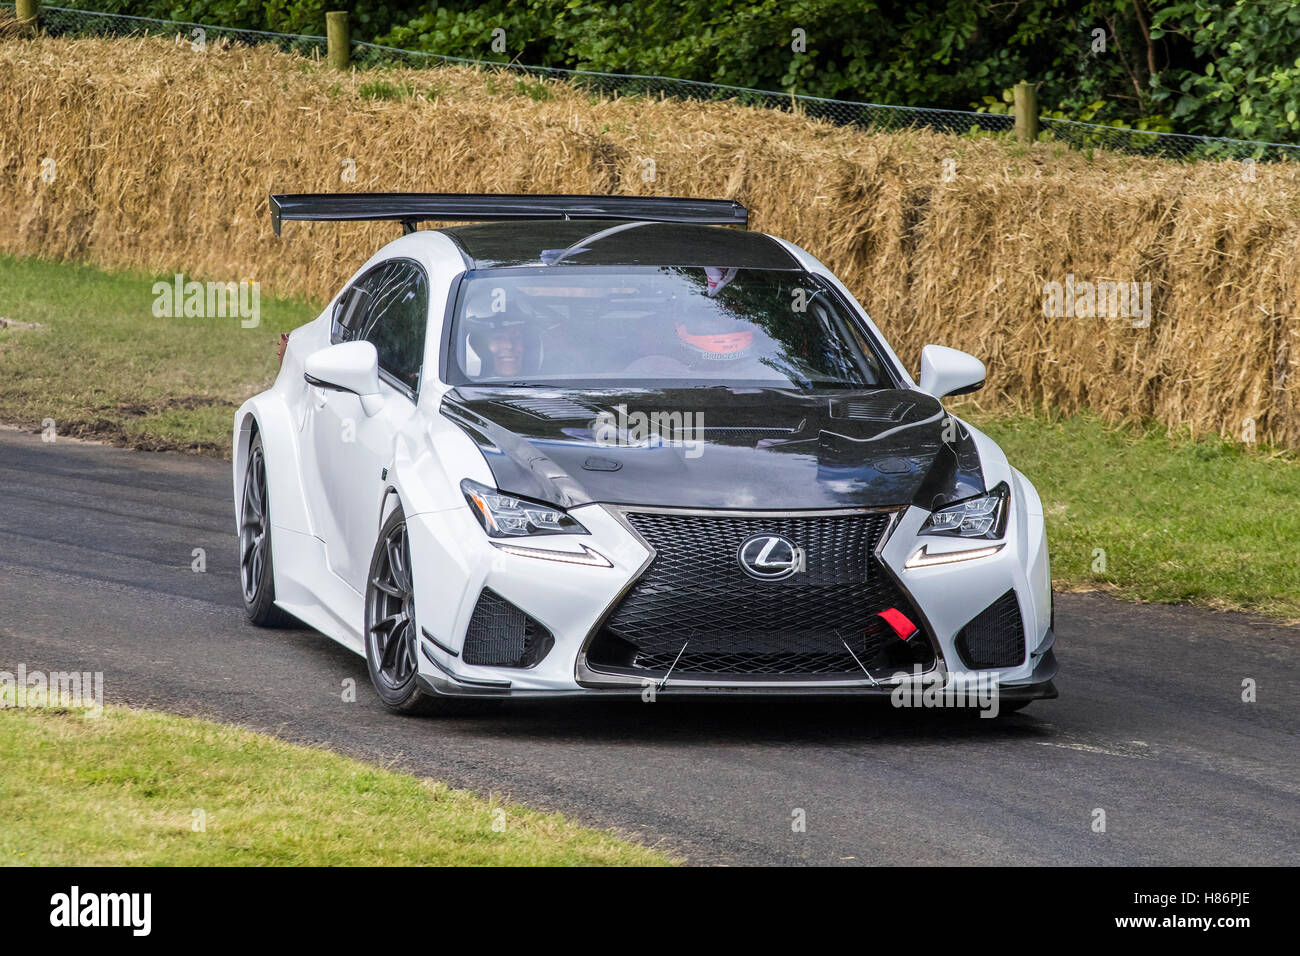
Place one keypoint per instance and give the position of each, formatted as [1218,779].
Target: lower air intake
[995,637]
[502,635]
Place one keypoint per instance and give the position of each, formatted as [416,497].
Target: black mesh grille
[738,434]
[695,591]
[995,637]
[502,635]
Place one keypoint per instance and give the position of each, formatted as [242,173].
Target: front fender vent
[557,409]
[503,635]
[887,407]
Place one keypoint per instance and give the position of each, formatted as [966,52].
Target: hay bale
[165,156]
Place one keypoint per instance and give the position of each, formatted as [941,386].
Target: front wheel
[391,638]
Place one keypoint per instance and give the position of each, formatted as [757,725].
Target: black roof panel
[616,243]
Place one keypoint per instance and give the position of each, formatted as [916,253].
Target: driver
[505,341]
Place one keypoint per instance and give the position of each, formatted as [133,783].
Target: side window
[349,312]
[388,307]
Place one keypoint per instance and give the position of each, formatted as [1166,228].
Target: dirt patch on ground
[112,433]
[110,427]
[15,324]
[186,403]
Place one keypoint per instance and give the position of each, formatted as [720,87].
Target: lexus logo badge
[770,557]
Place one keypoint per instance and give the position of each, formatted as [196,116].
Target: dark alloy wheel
[392,640]
[256,574]
[390,611]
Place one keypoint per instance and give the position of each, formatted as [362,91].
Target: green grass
[126,788]
[101,365]
[535,90]
[384,90]
[1204,521]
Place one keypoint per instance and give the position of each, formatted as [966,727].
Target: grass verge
[1142,514]
[132,787]
[1155,517]
[84,349]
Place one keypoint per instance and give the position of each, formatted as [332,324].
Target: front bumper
[454,562]
[1041,686]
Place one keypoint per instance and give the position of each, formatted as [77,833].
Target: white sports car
[607,445]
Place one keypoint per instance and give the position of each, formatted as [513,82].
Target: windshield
[666,327]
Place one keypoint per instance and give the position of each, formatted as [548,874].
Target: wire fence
[62,21]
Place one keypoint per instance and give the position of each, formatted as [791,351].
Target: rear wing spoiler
[412,208]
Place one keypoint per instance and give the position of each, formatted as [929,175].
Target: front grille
[995,637]
[502,635]
[695,592]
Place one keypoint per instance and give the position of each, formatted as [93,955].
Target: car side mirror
[946,371]
[347,367]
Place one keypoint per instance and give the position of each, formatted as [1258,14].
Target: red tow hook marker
[899,621]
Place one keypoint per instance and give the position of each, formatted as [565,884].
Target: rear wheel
[256,574]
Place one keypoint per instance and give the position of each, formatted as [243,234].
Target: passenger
[710,342]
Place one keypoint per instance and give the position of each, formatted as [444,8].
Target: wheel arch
[245,429]
[268,416]
[392,501]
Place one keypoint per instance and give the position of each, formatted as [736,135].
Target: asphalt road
[96,548]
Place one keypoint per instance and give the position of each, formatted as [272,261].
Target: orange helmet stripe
[721,344]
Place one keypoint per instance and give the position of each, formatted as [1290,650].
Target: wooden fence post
[1026,106]
[336,34]
[25,11]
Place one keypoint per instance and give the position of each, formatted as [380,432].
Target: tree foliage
[1216,67]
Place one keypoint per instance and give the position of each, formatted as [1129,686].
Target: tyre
[256,573]
[391,638]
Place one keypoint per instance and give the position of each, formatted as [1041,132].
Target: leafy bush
[1248,82]
[1217,67]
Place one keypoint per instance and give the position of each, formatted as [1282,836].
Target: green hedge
[1212,67]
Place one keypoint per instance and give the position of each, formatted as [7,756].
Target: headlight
[504,516]
[984,516]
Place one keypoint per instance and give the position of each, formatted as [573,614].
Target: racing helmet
[707,332]
[706,328]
